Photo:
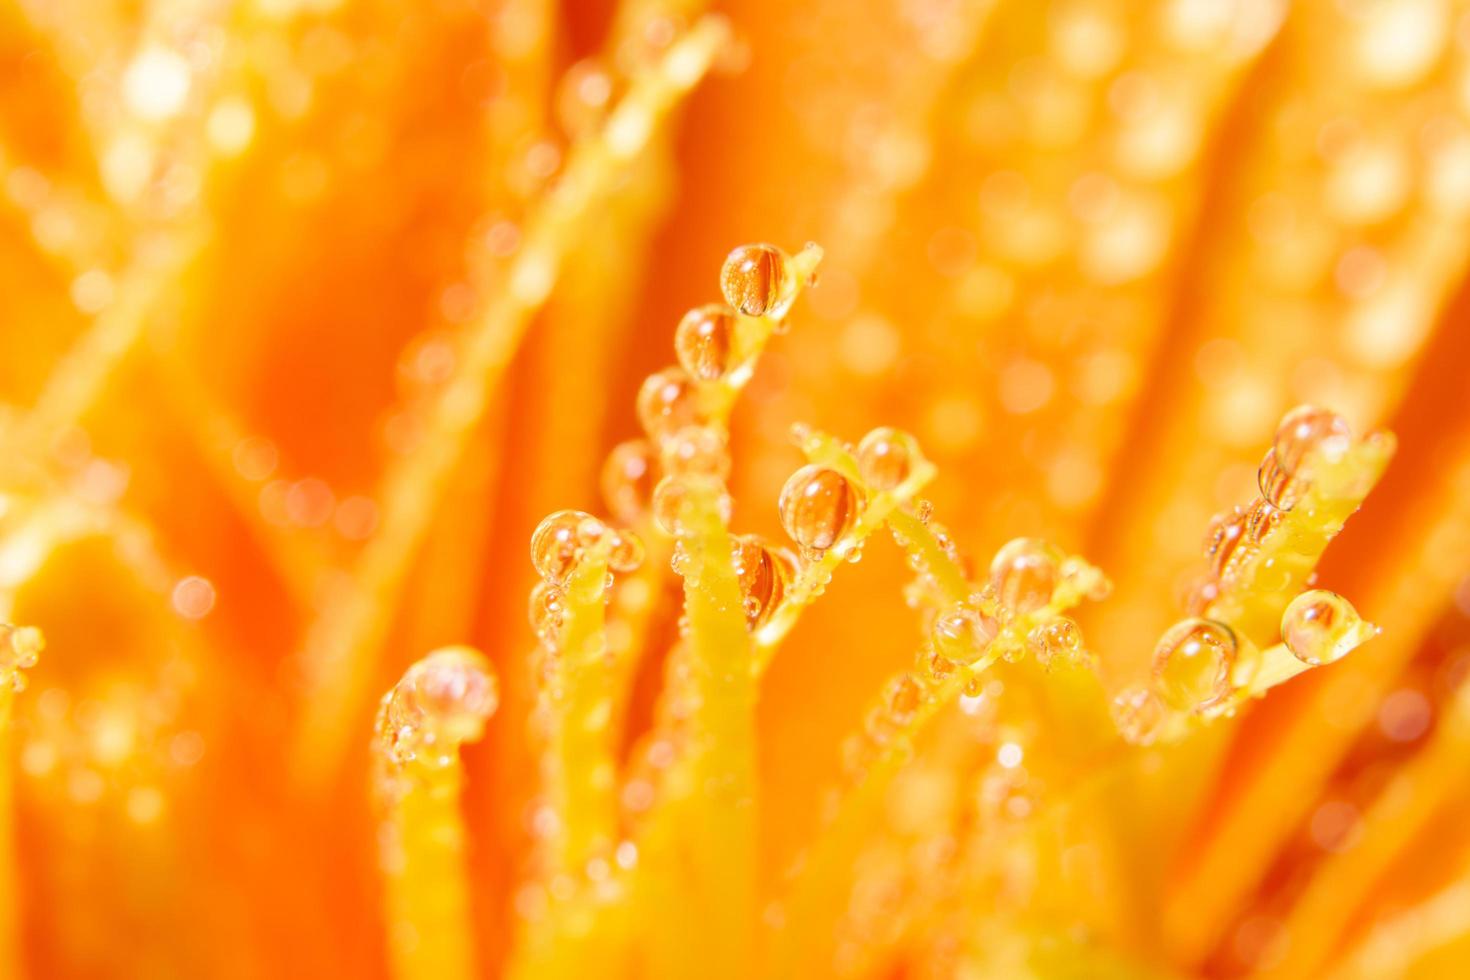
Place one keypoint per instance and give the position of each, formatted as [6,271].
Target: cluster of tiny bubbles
[1193,665]
[1304,429]
[1321,627]
[668,402]
[628,479]
[764,573]
[818,505]
[1057,642]
[758,280]
[886,456]
[441,702]
[704,342]
[20,648]
[1025,572]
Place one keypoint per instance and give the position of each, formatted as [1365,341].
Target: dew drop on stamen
[757,280]
[886,456]
[667,402]
[961,635]
[817,506]
[1278,487]
[1261,518]
[1058,641]
[545,609]
[1307,428]
[1137,712]
[1224,535]
[705,342]
[627,480]
[764,574]
[626,553]
[1192,664]
[1024,573]
[1321,627]
[556,544]
[697,451]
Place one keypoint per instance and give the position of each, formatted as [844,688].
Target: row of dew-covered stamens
[1311,479]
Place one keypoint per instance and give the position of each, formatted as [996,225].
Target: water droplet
[1192,664]
[441,701]
[961,635]
[905,697]
[705,342]
[627,480]
[668,502]
[818,506]
[667,402]
[1277,486]
[1058,641]
[1321,627]
[886,456]
[1024,573]
[556,544]
[1226,530]
[1137,712]
[764,573]
[1260,520]
[20,647]
[545,609]
[627,552]
[1307,428]
[697,451]
[757,280]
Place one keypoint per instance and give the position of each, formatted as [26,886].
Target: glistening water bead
[764,573]
[1278,488]
[758,280]
[1192,664]
[1307,428]
[667,402]
[628,478]
[1321,627]
[1024,572]
[818,506]
[886,456]
[962,634]
[555,544]
[441,701]
[705,342]
[697,451]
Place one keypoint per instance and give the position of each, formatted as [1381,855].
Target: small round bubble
[886,456]
[1307,428]
[758,280]
[1192,664]
[817,507]
[557,543]
[667,402]
[1024,573]
[627,479]
[705,342]
[1321,627]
